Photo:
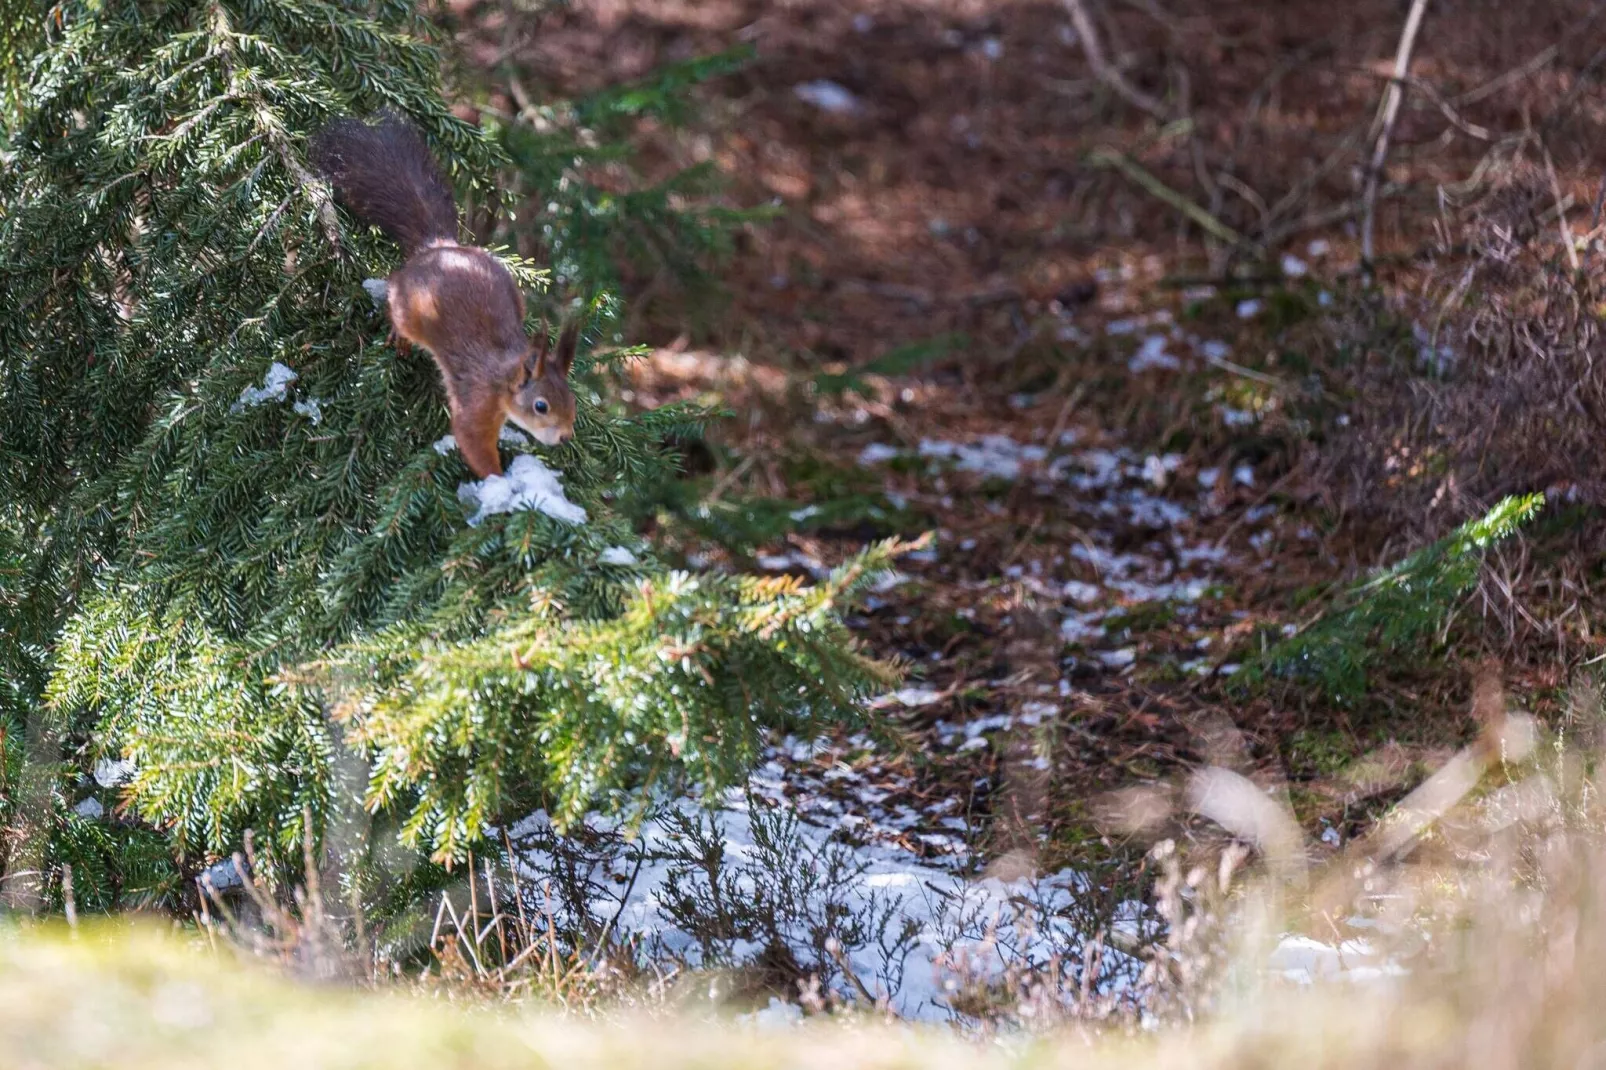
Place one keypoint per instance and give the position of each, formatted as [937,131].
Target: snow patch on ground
[828,96]
[1152,355]
[878,453]
[1304,961]
[948,914]
[992,455]
[908,696]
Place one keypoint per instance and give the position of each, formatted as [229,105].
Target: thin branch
[1438,100]
[1516,74]
[1103,70]
[1106,157]
[1561,211]
[1338,213]
[1387,117]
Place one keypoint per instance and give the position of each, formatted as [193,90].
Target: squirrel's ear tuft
[567,342]
[535,356]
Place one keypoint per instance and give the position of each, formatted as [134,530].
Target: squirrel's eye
[541,406]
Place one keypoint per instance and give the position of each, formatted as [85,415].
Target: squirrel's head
[543,403]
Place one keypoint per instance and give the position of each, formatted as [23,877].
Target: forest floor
[959,320]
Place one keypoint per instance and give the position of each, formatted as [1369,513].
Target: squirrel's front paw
[378,289]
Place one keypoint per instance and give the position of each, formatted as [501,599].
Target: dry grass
[1488,885]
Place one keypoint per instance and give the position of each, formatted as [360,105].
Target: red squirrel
[458,302]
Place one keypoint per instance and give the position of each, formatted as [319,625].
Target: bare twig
[1103,70]
[1516,74]
[1106,157]
[834,948]
[68,902]
[1247,192]
[1387,117]
[1307,183]
[1327,217]
[1437,99]
[1561,211]
[1238,369]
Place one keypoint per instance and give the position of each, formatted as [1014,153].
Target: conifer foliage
[232,546]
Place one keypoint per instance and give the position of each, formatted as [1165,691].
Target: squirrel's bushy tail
[385,175]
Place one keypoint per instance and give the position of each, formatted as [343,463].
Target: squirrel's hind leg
[378,291]
[397,341]
[381,290]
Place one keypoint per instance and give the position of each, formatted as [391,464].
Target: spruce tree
[232,546]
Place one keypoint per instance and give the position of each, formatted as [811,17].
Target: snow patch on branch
[273,388]
[528,484]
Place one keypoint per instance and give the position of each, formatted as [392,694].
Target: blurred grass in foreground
[1486,886]
[135,1000]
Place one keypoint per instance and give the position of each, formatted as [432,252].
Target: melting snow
[509,434]
[273,388]
[1157,470]
[1179,591]
[1152,355]
[827,96]
[1118,659]
[909,696]
[1081,627]
[312,409]
[877,453]
[948,913]
[992,455]
[617,555]
[1077,591]
[1146,510]
[110,772]
[778,1015]
[528,484]
[790,560]
[1303,960]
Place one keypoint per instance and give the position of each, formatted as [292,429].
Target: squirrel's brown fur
[456,301]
